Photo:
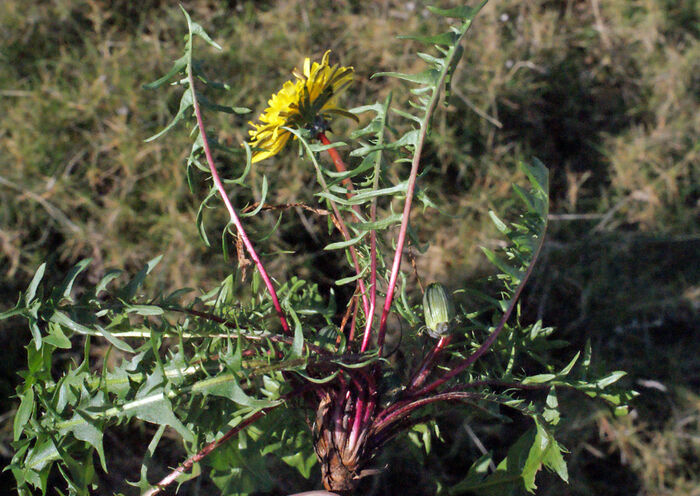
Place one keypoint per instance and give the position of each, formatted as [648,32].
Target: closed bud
[439,309]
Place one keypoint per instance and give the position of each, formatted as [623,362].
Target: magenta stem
[232,212]
[426,366]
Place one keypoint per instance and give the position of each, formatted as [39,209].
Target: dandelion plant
[259,367]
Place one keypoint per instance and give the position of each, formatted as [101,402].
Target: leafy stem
[220,187]
[452,56]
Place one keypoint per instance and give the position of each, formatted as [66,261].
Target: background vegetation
[604,92]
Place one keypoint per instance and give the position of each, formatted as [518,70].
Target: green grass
[605,93]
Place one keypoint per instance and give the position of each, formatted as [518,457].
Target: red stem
[232,212]
[406,408]
[425,367]
[187,464]
[340,167]
[337,161]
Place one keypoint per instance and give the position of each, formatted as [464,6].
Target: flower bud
[439,309]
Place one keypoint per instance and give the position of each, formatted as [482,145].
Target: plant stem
[340,224]
[426,366]
[275,338]
[232,212]
[187,464]
[369,311]
[492,338]
[407,408]
[422,134]
[337,161]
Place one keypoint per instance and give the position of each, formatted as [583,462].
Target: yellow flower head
[303,102]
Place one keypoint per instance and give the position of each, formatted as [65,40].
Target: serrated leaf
[152,405]
[85,430]
[226,386]
[41,454]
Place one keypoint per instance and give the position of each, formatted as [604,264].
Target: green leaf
[109,276]
[261,203]
[130,290]
[498,262]
[298,343]
[428,77]
[115,341]
[565,371]
[34,284]
[539,379]
[179,65]
[185,103]
[345,243]
[145,310]
[447,38]
[226,386]
[64,289]
[610,379]
[535,449]
[348,280]
[551,409]
[200,215]
[155,407]
[41,454]
[500,225]
[198,30]
[85,429]
[24,413]
[57,338]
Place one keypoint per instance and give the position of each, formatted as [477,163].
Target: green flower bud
[439,309]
